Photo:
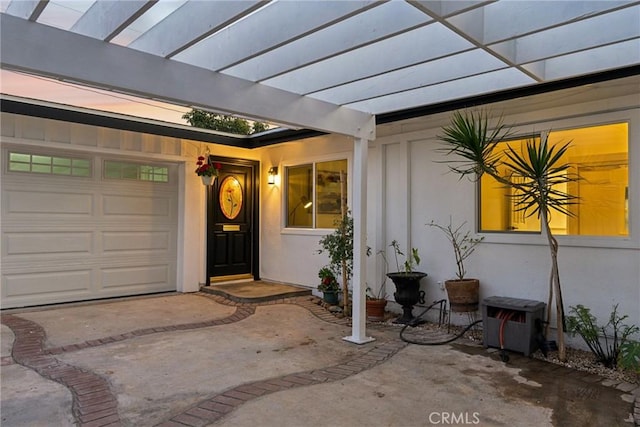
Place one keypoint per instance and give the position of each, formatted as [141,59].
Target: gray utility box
[522,320]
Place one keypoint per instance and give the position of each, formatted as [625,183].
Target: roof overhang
[54,111]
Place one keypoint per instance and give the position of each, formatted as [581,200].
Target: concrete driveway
[200,359]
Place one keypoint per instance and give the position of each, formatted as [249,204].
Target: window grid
[135,171]
[51,165]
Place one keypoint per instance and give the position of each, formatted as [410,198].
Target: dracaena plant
[541,168]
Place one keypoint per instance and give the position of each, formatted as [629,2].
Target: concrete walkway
[201,359]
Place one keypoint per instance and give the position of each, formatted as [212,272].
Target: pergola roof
[329,66]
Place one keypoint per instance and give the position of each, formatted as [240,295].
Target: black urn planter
[407,293]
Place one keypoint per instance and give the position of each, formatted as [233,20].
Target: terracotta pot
[375,309]
[464,295]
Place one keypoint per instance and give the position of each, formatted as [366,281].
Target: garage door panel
[133,277]
[45,243]
[48,203]
[58,284]
[134,241]
[136,206]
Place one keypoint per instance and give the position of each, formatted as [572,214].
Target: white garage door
[78,226]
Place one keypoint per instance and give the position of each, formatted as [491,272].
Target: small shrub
[630,356]
[615,335]
[411,261]
[328,281]
[339,246]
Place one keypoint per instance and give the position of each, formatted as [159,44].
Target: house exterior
[121,211]
[98,205]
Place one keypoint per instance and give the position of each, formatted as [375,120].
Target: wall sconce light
[273,171]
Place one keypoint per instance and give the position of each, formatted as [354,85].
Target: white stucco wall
[595,272]
[408,188]
[289,256]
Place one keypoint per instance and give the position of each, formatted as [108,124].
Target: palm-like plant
[470,137]
[541,170]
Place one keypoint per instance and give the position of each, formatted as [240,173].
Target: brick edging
[307,302]
[93,402]
[219,405]
[241,313]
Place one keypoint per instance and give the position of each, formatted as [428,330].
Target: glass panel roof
[359,56]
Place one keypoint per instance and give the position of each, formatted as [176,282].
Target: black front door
[232,219]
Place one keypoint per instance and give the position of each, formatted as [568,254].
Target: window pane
[331,189]
[61,170]
[81,172]
[18,157]
[146,173]
[599,156]
[81,163]
[40,168]
[160,174]
[129,171]
[21,167]
[498,209]
[58,161]
[41,160]
[299,196]
[112,170]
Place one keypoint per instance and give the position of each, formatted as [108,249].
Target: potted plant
[206,170]
[376,302]
[329,286]
[543,177]
[463,293]
[407,282]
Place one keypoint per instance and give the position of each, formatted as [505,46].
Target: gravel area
[585,361]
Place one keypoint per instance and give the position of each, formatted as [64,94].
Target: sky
[35,87]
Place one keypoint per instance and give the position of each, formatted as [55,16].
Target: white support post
[359,210]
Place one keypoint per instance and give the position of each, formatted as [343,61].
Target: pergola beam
[204,18]
[106,19]
[47,51]
[27,9]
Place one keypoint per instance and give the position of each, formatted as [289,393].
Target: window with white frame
[598,155]
[315,194]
